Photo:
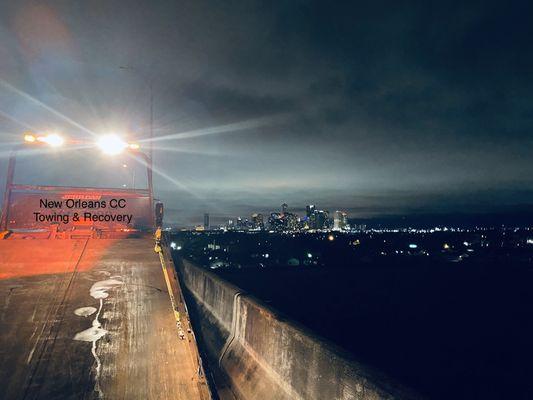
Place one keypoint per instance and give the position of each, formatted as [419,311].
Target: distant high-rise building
[339,220]
[284,208]
[206,221]
[316,219]
[275,222]
[258,221]
[290,221]
[321,220]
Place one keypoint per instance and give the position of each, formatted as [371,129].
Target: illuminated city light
[413,246]
[174,246]
[309,255]
[331,238]
[111,144]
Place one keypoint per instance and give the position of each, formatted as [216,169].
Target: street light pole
[150,82]
[9,184]
[151,149]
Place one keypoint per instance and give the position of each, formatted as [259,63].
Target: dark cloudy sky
[374,107]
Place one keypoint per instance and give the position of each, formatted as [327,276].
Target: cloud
[380,97]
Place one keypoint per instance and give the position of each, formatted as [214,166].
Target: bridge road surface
[53,345]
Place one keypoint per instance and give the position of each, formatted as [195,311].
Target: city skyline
[505,218]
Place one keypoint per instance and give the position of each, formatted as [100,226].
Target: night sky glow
[372,107]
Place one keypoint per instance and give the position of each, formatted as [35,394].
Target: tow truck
[87,308]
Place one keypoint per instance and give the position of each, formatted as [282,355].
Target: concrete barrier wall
[214,303]
[262,355]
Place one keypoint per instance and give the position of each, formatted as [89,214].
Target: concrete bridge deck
[91,319]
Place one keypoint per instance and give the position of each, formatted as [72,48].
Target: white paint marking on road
[84,311]
[99,291]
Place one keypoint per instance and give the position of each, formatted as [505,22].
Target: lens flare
[111,144]
[52,140]
[29,138]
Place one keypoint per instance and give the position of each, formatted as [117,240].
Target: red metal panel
[26,209]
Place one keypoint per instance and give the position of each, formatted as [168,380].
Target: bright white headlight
[111,144]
